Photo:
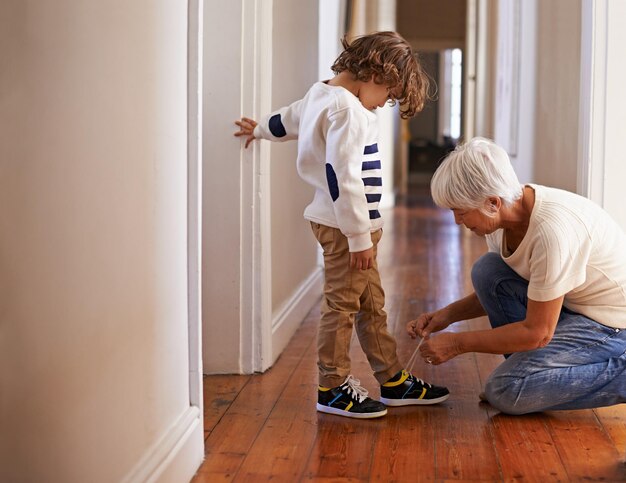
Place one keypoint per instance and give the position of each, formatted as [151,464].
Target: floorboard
[265,427]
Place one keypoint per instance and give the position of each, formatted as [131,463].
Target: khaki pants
[351,297]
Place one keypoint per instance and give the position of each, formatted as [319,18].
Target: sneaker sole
[340,412]
[413,402]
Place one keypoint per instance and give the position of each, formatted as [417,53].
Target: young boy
[338,155]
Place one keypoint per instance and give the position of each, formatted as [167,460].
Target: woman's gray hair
[473,172]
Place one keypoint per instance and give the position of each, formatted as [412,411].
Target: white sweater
[338,155]
[574,248]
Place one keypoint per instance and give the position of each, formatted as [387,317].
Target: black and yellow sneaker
[404,389]
[350,400]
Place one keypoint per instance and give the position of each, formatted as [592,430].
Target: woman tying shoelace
[553,285]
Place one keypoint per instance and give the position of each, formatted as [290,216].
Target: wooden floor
[265,427]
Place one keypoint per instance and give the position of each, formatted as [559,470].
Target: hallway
[265,427]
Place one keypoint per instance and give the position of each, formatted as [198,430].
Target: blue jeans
[583,366]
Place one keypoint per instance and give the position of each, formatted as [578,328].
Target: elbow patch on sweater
[331,179]
[276,126]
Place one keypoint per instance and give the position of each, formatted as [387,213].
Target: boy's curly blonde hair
[389,59]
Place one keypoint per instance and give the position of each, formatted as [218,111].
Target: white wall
[557,93]
[615,127]
[222,166]
[94,359]
[577,115]
[294,70]
[260,270]
[332,19]
[602,171]
[486,53]
[296,275]
[514,104]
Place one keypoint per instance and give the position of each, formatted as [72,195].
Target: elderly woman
[553,285]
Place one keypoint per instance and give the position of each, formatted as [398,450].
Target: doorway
[444,35]
[437,129]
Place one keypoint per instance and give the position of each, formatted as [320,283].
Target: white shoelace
[354,388]
[411,363]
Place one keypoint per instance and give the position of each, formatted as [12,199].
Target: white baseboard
[289,317]
[176,456]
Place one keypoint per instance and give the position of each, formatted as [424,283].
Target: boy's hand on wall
[246,128]
[362,260]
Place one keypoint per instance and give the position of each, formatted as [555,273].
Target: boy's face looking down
[373,95]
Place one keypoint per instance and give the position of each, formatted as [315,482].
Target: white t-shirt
[572,248]
[338,155]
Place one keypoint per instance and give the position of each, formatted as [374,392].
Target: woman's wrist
[459,343]
[445,315]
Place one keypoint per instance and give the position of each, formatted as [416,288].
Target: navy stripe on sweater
[373,181]
[367,165]
[372,148]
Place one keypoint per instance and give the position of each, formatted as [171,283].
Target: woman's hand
[442,348]
[246,128]
[427,323]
